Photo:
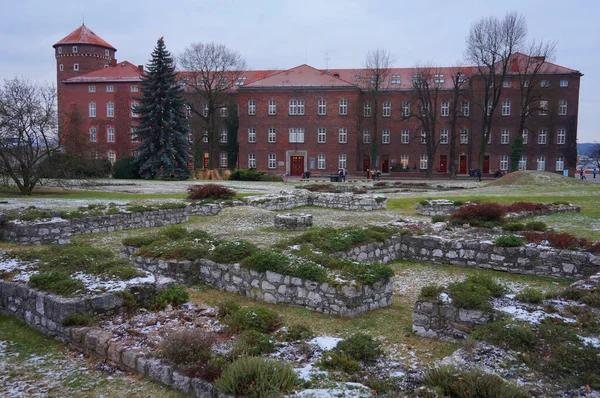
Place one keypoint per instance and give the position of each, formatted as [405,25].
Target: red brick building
[308,119]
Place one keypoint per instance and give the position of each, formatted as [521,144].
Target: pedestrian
[479,175]
[582,174]
[594,172]
[368,174]
[345,174]
[341,174]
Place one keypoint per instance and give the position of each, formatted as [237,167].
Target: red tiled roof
[519,63]
[122,72]
[301,76]
[83,35]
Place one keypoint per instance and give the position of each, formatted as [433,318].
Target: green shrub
[367,274]
[458,202]
[253,318]
[178,250]
[435,219]
[431,291]
[227,307]
[536,226]
[125,168]
[424,202]
[263,261]
[252,343]
[56,282]
[515,336]
[471,296]
[339,361]
[173,295]
[190,351]
[199,235]
[139,208]
[246,175]
[495,288]
[174,232]
[452,382]
[118,268]
[63,165]
[295,332]
[514,226]
[76,319]
[592,299]
[172,205]
[32,214]
[256,377]
[529,295]
[360,347]
[508,241]
[231,251]
[310,271]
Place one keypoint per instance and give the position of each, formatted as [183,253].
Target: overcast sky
[283,34]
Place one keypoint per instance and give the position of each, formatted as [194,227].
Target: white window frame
[545,83]
[223,138]
[134,88]
[396,79]
[296,135]
[444,136]
[342,161]
[404,160]
[251,161]
[134,105]
[91,89]
[110,134]
[423,162]
[272,107]
[564,83]
[321,107]
[110,89]
[523,162]
[93,134]
[321,135]
[405,108]
[272,161]
[505,136]
[542,137]
[438,78]
[75,49]
[205,110]
[506,84]
[76,67]
[464,137]
[92,109]
[541,163]
[321,161]
[110,109]
[405,136]
[465,108]
[543,107]
[223,160]
[272,135]
[367,109]
[387,109]
[61,67]
[107,53]
[562,107]
[503,162]
[385,136]
[251,107]
[560,163]
[506,107]
[343,106]
[112,157]
[525,135]
[136,138]
[423,137]
[343,135]
[60,50]
[561,136]
[251,134]
[445,108]
[296,107]
[366,136]
[223,111]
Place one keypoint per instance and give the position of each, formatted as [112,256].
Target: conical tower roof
[83,35]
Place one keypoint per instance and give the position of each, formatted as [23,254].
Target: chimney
[336,75]
[141,68]
[114,62]
[540,58]
[515,65]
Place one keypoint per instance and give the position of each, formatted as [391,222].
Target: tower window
[74,49]
[107,53]
[60,50]
[75,67]
[61,67]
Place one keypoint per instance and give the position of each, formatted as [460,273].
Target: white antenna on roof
[327,58]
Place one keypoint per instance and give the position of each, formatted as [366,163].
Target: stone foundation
[293,222]
[300,197]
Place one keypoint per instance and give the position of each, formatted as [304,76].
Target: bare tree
[490,46]
[211,71]
[28,130]
[595,155]
[375,80]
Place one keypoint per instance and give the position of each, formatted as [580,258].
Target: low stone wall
[474,253]
[435,319]
[270,286]
[293,222]
[297,198]
[45,312]
[204,210]
[437,207]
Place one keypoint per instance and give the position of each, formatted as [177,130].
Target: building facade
[306,119]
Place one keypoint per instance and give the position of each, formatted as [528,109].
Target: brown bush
[520,207]
[475,213]
[210,191]
[190,351]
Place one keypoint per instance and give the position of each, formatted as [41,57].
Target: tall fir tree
[164,152]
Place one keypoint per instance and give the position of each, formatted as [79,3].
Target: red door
[486,164]
[297,165]
[443,163]
[366,163]
[385,164]
[462,167]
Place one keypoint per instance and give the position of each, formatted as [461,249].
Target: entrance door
[462,166]
[366,162]
[385,164]
[297,165]
[486,164]
[206,160]
[443,163]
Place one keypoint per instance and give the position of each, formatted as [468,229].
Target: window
[134,89]
[562,107]
[272,136]
[107,53]
[366,136]
[404,161]
[504,136]
[343,135]
[564,83]
[223,160]
[251,107]
[560,163]
[251,161]
[205,136]
[188,111]
[251,134]
[445,108]
[405,109]
[321,135]
[423,162]
[75,49]
[526,83]
[523,163]
[461,77]
[112,157]
[387,109]
[561,136]
[542,136]
[545,83]
[296,107]
[417,78]
[272,161]
[60,50]
[110,134]
[504,162]
[110,110]
[543,107]
[525,136]
[93,137]
[91,89]
[136,138]
[490,137]
[61,67]
[75,67]
[367,109]
[385,136]
[423,137]
[321,161]
[272,107]
[405,136]
[541,163]
[505,107]
[296,134]
[134,109]
[322,107]
[464,136]
[343,106]
[443,136]
[92,108]
[395,79]
[342,164]
[438,79]
[223,139]
[489,107]
[506,83]
[110,89]
[424,108]
[465,108]
[223,111]
[205,110]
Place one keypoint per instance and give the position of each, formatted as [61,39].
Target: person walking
[582,173]
[594,172]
